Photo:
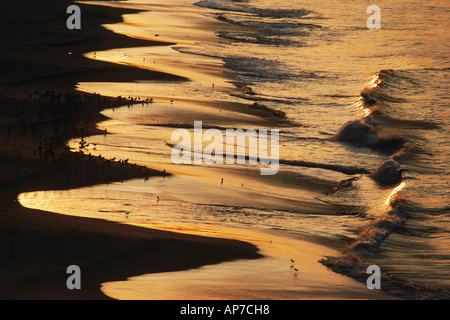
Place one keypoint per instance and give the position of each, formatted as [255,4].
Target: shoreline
[37,246]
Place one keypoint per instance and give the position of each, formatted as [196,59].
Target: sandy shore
[41,61]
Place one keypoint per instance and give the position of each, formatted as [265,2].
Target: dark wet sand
[39,111]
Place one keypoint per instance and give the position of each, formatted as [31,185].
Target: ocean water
[354,99]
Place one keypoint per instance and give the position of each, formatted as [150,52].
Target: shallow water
[322,67]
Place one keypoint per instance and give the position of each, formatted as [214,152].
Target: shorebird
[171,101]
[296,271]
[221,181]
[157,199]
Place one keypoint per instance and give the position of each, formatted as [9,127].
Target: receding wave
[272,27]
[253,69]
[350,170]
[261,38]
[270,13]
